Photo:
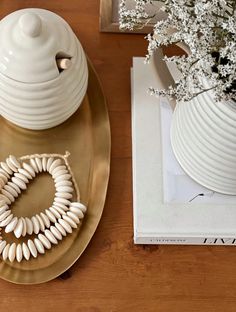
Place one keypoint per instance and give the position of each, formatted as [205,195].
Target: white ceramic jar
[34,93]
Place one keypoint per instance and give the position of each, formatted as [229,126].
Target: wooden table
[113,274]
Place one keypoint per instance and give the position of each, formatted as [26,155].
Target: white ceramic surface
[203,137]
[34,94]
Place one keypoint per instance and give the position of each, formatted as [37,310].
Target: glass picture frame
[109,16]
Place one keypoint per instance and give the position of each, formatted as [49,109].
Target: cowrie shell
[50,215]
[77,211]
[55,212]
[63,189]
[12,252]
[19,253]
[26,252]
[46,243]
[2,183]
[70,221]
[60,205]
[29,226]
[62,201]
[36,225]
[19,182]
[30,169]
[50,236]
[63,183]
[49,162]
[80,206]
[21,177]
[32,248]
[8,195]
[39,246]
[6,168]
[34,165]
[24,231]
[73,216]
[19,228]
[59,168]
[11,225]
[63,177]
[60,210]
[3,208]
[7,220]
[2,245]
[5,252]
[64,195]
[14,161]
[4,215]
[16,187]
[3,177]
[59,173]
[60,229]
[45,219]
[54,164]
[10,165]
[25,173]
[6,199]
[39,164]
[4,173]
[11,190]
[41,223]
[56,233]
[44,163]
[65,225]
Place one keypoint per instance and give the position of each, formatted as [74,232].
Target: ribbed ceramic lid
[30,40]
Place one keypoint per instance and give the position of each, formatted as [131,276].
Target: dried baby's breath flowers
[208,28]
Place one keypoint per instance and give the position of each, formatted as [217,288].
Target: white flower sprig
[208,28]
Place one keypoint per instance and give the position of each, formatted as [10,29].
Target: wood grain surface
[113,274]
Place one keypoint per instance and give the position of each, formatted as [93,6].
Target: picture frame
[109,18]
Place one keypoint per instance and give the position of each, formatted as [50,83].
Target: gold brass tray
[86,135]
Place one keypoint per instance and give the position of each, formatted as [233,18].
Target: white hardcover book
[168,206]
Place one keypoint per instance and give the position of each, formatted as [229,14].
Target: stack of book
[169,207]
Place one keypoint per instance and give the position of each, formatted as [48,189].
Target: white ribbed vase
[203,138]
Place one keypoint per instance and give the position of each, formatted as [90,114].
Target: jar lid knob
[30,24]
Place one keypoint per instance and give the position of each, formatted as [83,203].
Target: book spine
[227,241]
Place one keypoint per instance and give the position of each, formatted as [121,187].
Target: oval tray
[86,135]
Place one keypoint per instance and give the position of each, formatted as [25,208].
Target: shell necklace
[54,223]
